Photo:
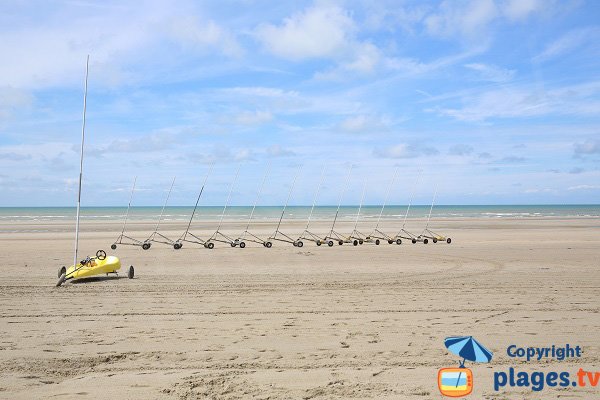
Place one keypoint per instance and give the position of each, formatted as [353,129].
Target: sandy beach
[294,323]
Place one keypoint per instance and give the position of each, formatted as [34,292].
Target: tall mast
[87,65]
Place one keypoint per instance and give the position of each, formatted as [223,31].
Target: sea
[348,213]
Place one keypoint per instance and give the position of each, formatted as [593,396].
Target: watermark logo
[458,382]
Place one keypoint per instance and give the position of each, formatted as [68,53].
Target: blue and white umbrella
[468,348]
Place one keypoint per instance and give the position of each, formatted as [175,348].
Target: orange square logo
[455,382]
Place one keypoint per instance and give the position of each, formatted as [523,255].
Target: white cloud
[527,101]
[12,99]
[460,150]
[190,31]
[53,53]
[584,187]
[588,147]
[318,32]
[521,9]
[404,150]
[277,151]
[253,117]
[365,123]
[469,19]
[491,72]
[569,42]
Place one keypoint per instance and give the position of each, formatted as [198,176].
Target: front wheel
[425,241]
[113,246]
[414,241]
[130,272]
[300,243]
[62,271]
[355,242]
[146,246]
[318,242]
[448,240]
[210,245]
[330,243]
[242,245]
[61,280]
[377,242]
[269,245]
[434,240]
[398,241]
[340,242]
[390,241]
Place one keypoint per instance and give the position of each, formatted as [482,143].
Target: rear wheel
[300,243]
[414,241]
[340,242]
[330,243]
[318,243]
[233,244]
[62,271]
[390,241]
[434,240]
[130,272]
[448,240]
[242,245]
[377,242]
[210,245]
[398,241]
[360,242]
[269,245]
[146,246]
[355,242]
[425,241]
[113,246]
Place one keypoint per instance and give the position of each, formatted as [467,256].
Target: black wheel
[233,244]
[425,241]
[210,245]
[355,242]
[330,243]
[377,242]
[300,243]
[319,243]
[390,241]
[360,241]
[448,240]
[268,245]
[62,270]
[434,240]
[146,246]
[242,245]
[340,242]
[61,280]
[398,241]
[101,255]
[295,244]
[130,272]
[414,241]
[113,246]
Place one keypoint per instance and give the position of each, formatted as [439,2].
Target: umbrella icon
[469,349]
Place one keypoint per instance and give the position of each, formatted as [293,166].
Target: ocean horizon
[347,212]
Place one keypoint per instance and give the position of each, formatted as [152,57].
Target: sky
[485,102]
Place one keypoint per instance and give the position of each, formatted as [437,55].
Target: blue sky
[497,102]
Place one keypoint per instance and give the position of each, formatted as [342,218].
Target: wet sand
[287,322]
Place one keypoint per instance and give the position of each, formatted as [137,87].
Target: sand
[295,323]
